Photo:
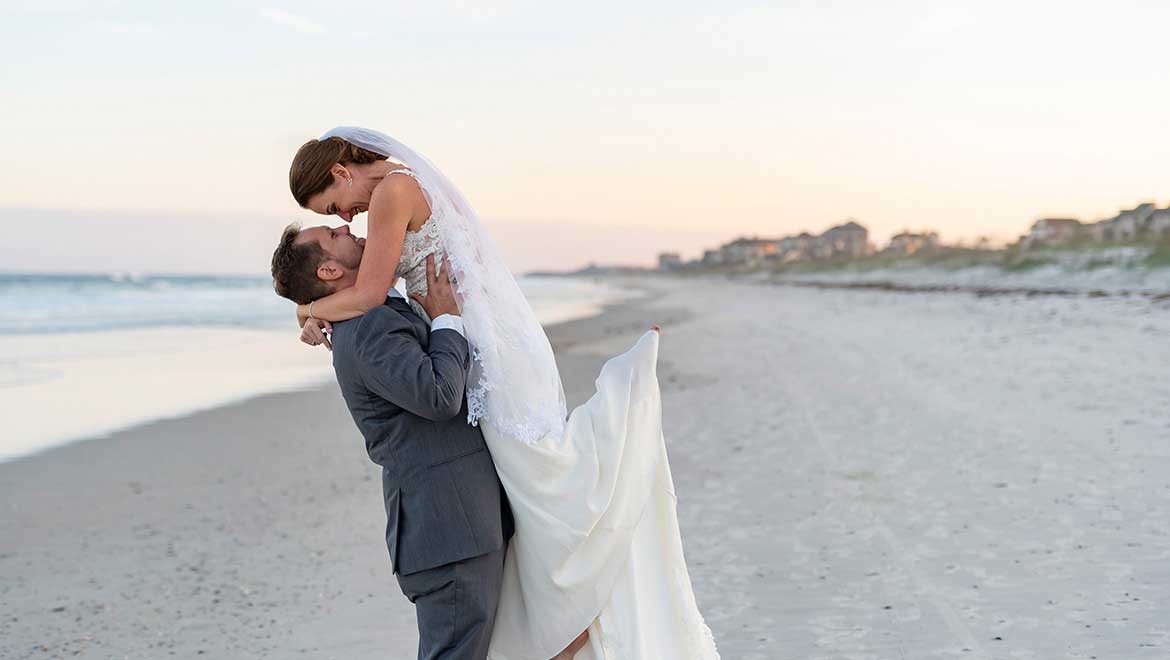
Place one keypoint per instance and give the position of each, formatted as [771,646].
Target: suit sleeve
[394,365]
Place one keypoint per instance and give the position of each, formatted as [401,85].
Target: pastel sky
[153,136]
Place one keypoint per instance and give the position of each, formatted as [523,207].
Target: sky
[146,136]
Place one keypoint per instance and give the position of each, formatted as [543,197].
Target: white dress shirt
[440,322]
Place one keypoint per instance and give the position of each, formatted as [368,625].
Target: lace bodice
[509,351]
[412,265]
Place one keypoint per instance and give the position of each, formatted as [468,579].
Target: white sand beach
[861,474]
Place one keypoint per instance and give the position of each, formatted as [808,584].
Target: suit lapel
[398,303]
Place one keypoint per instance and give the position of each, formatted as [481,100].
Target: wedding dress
[597,543]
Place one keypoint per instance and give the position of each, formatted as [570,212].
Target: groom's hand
[440,298]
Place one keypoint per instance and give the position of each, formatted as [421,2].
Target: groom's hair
[294,268]
[311,169]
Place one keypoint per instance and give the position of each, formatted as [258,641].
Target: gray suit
[447,519]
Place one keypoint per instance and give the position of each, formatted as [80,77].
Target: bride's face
[344,198]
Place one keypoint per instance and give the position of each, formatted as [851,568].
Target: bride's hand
[317,331]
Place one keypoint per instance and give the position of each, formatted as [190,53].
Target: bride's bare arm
[393,204]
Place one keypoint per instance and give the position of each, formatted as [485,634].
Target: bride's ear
[329,271]
[339,172]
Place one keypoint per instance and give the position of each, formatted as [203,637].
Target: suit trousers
[455,605]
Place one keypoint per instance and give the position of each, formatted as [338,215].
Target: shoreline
[116,379]
[565,330]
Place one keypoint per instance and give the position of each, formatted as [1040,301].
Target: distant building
[907,243]
[796,248]
[1100,231]
[669,261]
[1159,224]
[1051,231]
[749,250]
[1128,225]
[847,240]
[851,240]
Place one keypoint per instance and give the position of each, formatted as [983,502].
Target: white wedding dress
[597,542]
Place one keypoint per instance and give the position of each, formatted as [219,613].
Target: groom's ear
[330,271]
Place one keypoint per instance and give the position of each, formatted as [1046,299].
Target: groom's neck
[346,282]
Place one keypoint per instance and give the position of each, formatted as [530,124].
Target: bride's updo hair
[310,172]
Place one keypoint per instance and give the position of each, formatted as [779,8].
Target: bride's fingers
[312,335]
[307,334]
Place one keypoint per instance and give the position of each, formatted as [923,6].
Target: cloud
[298,23]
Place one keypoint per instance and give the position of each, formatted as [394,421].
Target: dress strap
[402,171]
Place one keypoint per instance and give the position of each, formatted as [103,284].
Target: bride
[597,546]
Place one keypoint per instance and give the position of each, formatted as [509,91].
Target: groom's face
[343,249]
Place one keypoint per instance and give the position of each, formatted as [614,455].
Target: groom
[448,521]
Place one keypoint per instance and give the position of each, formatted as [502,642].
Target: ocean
[85,355]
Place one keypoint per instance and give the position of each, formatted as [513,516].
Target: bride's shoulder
[399,192]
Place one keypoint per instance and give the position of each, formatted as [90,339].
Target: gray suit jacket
[405,387]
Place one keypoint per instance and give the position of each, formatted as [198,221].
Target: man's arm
[393,364]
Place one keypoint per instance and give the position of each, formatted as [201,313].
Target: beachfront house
[1159,224]
[907,243]
[1131,224]
[847,240]
[1051,231]
[749,250]
[796,248]
[1128,225]
[1100,231]
[712,257]
[669,261]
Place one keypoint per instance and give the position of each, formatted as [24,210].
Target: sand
[861,474]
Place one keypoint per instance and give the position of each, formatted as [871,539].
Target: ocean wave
[38,303]
[32,303]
